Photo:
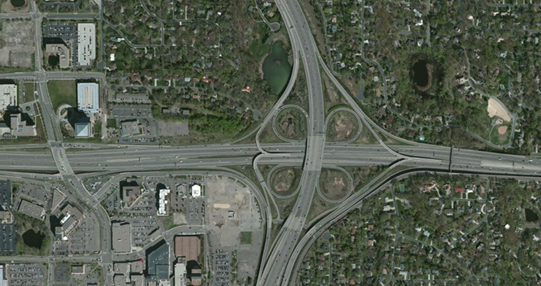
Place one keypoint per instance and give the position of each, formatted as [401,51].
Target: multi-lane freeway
[57,161]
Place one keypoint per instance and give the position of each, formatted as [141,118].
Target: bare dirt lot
[231,209]
[495,108]
[334,184]
[18,37]
[291,124]
[285,181]
[9,8]
[168,129]
[342,126]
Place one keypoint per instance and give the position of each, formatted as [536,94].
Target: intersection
[278,257]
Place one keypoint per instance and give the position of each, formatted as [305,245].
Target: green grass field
[62,92]
[246,237]
[29,88]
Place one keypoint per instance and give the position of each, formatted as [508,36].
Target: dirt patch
[334,184]
[291,124]
[9,8]
[495,108]
[342,126]
[502,130]
[18,39]
[173,128]
[285,181]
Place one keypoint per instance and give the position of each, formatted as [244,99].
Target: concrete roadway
[315,144]
[227,155]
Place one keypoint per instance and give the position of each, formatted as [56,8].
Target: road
[57,162]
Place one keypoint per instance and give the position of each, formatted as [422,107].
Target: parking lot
[61,273]
[27,275]
[141,229]
[124,112]
[65,31]
[8,237]
[83,239]
[36,193]
[192,208]
[221,265]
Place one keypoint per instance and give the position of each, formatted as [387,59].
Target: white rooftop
[8,96]
[196,191]
[86,43]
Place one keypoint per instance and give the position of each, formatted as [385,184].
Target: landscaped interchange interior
[270,142]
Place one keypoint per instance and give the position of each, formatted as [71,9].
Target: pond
[276,68]
[17,3]
[420,73]
[53,60]
[33,239]
[531,216]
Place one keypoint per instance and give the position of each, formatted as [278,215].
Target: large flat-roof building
[121,237]
[86,44]
[3,280]
[60,50]
[188,246]
[180,274]
[158,263]
[31,209]
[129,191]
[130,128]
[19,127]
[8,95]
[88,97]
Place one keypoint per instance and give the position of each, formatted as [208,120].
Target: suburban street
[71,163]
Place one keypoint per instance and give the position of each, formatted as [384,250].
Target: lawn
[62,92]
[246,237]
[29,90]
[167,221]
[25,223]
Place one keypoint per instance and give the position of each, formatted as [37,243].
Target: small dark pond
[53,60]
[33,239]
[531,216]
[17,3]
[420,73]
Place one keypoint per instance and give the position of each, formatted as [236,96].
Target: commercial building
[180,274]
[3,280]
[88,97]
[121,237]
[129,191]
[78,269]
[71,217]
[4,129]
[8,96]
[73,211]
[19,127]
[82,130]
[129,128]
[188,246]
[31,209]
[158,263]
[196,191]
[60,50]
[86,44]
[162,201]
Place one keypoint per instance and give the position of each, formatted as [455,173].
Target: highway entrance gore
[146,143]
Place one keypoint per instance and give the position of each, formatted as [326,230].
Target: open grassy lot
[246,237]
[62,92]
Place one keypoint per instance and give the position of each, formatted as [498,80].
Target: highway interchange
[58,161]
